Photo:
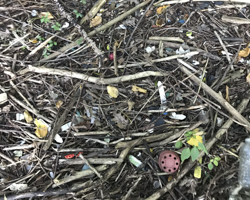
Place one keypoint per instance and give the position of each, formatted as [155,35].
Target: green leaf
[194,153]
[178,144]
[79,41]
[202,147]
[210,166]
[55,43]
[189,133]
[185,154]
[215,163]
[217,158]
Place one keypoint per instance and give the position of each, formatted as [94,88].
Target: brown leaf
[95,21]
[138,89]
[48,14]
[120,121]
[160,22]
[227,94]
[245,52]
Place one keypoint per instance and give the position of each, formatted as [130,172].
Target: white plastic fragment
[3,98]
[58,138]
[162,95]
[18,187]
[18,153]
[173,115]
[219,121]
[65,25]
[51,174]
[53,95]
[19,116]
[34,13]
[65,127]
[150,49]
[93,116]
[195,62]
[134,161]
[181,51]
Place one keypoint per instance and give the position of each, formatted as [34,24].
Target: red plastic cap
[169,161]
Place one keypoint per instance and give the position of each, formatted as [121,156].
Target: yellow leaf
[138,89]
[245,52]
[197,172]
[199,133]
[194,141]
[170,178]
[34,41]
[200,160]
[58,104]
[113,92]
[41,128]
[48,14]
[196,130]
[162,9]
[95,21]
[27,116]
[248,77]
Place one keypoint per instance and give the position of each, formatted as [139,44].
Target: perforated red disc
[169,161]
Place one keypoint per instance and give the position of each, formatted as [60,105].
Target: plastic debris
[18,187]
[150,49]
[111,56]
[19,116]
[178,97]
[181,51]
[156,184]
[65,25]
[18,153]
[51,174]
[134,161]
[195,62]
[65,127]
[162,95]
[173,115]
[53,95]
[34,13]
[85,167]
[182,21]
[93,116]
[58,138]
[3,98]
[219,121]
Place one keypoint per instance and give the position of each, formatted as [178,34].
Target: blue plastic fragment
[182,21]
[85,167]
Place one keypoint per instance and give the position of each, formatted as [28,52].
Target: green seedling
[213,162]
[56,26]
[77,14]
[48,48]
[45,19]
[40,38]
[83,1]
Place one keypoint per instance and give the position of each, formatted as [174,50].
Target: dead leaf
[149,13]
[95,21]
[41,130]
[48,14]
[120,121]
[27,116]
[170,177]
[197,172]
[160,22]
[34,41]
[162,9]
[248,77]
[59,104]
[245,52]
[120,61]
[138,89]
[130,105]
[113,92]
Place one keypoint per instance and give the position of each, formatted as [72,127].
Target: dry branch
[52,71]
[235,114]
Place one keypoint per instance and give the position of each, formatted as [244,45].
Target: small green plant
[77,14]
[40,38]
[83,1]
[49,46]
[45,19]
[56,26]
[79,41]
[24,47]
[213,162]
[194,139]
